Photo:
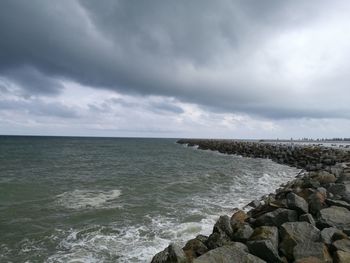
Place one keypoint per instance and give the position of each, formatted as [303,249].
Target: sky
[187,68]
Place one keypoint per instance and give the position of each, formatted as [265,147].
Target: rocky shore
[306,220]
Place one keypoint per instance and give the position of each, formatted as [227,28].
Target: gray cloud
[39,108]
[205,52]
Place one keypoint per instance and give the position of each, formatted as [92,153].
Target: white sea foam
[127,244]
[139,242]
[80,199]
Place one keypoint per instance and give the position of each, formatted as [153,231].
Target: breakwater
[305,220]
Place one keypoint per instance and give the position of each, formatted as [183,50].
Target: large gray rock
[266,233]
[172,254]
[294,233]
[195,248]
[307,218]
[330,234]
[297,203]
[217,240]
[264,249]
[341,189]
[222,233]
[312,250]
[340,203]
[242,233]
[277,217]
[228,254]
[223,225]
[335,216]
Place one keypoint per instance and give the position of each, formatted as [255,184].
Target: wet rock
[195,248]
[228,254]
[242,232]
[277,217]
[335,216]
[265,250]
[307,218]
[312,249]
[331,234]
[294,233]
[172,254]
[223,225]
[298,203]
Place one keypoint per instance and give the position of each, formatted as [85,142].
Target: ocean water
[116,199]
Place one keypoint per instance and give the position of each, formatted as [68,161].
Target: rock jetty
[307,220]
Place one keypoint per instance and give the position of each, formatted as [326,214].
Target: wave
[84,199]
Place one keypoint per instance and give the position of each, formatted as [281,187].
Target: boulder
[276,217]
[312,249]
[330,234]
[325,177]
[309,260]
[172,254]
[265,250]
[341,257]
[342,245]
[294,233]
[340,203]
[310,183]
[335,216]
[344,177]
[194,248]
[242,232]
[217,240]
[254,204]
[202,238]
[340,189]
[238,217]
[307,218]
[316,202]
[266,233]
[223,225]
[228,254]
[297,203]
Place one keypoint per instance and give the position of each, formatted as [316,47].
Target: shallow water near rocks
[117,200]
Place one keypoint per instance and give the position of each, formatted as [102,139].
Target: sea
[78,199]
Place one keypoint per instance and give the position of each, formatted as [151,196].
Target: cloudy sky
[187,68]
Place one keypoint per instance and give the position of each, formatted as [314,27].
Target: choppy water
[117,200]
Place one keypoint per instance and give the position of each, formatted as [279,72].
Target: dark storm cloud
[33,82]
[169,48]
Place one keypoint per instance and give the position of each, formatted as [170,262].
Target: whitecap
[80,199]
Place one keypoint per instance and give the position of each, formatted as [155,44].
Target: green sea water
[65,199]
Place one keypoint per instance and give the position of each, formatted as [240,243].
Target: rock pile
[310,158]
[305,221]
